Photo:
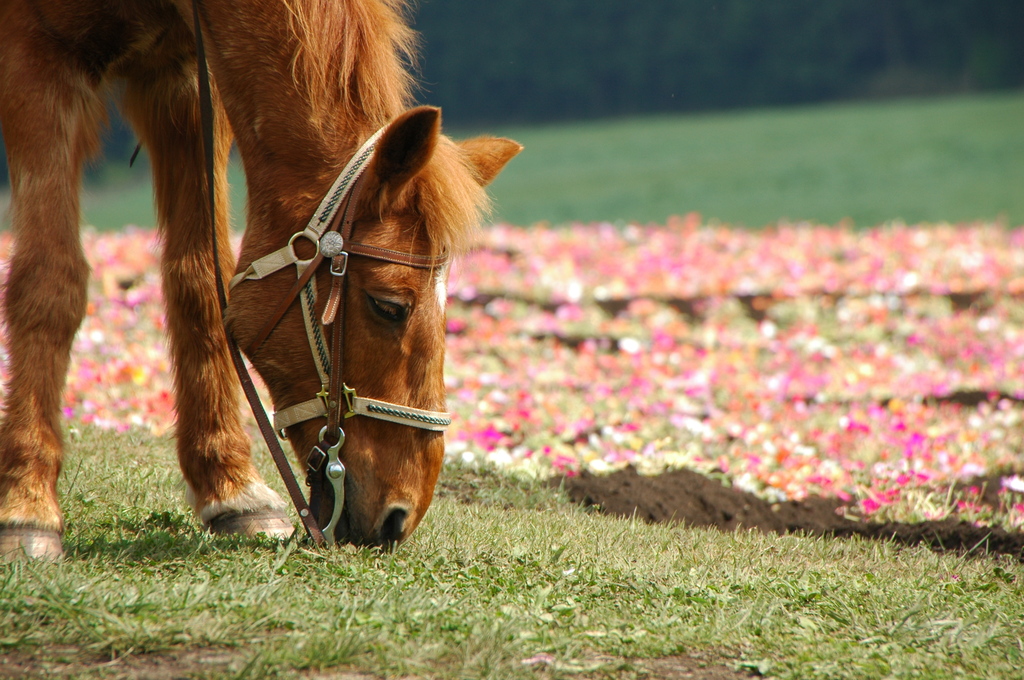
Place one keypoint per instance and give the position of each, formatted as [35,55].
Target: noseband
[330,230]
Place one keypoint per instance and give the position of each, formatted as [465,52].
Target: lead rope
[266,429]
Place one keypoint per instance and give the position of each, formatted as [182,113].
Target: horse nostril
[393,526]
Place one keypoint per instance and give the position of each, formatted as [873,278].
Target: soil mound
[689,497]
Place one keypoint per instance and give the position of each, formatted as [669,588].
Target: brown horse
[300,84]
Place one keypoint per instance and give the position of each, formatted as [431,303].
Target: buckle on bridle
[332,247]
[325,396]
[347,393]
[343,259]
[350,397]
[315,459]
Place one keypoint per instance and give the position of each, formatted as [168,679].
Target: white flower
[1014,483]
[630,345]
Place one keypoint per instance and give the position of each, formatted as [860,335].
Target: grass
[500,571]
[930,160]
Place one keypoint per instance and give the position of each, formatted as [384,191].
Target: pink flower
[869,506]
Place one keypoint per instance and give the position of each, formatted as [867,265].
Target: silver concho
[331,244]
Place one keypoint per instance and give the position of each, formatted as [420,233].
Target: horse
[299,86]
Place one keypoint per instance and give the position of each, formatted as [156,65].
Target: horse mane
[356,57]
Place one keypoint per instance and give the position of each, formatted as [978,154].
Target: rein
[330,230]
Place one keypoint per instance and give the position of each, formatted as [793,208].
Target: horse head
[419,197]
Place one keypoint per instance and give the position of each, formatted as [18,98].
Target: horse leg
[50,115]
[224,488]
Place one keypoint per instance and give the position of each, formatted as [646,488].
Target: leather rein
[330,230]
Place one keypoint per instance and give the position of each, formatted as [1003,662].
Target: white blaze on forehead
[441,287]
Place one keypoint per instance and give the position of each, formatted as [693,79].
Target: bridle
[330,231]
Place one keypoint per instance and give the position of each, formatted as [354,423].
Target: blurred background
[745,111]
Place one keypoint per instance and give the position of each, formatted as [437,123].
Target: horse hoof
[20,541]
[273,523]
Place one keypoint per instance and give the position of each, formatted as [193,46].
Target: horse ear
[489,155]
[407,145]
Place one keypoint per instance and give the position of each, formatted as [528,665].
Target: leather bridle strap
[286,256]
[266,429]
[337,307]
[286,302]
[396,257]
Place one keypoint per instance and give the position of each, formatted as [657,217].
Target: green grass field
[919,161]
[929,160]
[499,573]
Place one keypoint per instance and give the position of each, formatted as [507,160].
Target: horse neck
[301,96]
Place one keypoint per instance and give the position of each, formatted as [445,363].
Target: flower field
[884,366]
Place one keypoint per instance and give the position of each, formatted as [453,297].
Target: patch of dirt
[686,496]
[71,662]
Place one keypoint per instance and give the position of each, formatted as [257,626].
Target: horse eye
[387,310]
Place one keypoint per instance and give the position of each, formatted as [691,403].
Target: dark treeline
[545,60]
[527,61]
